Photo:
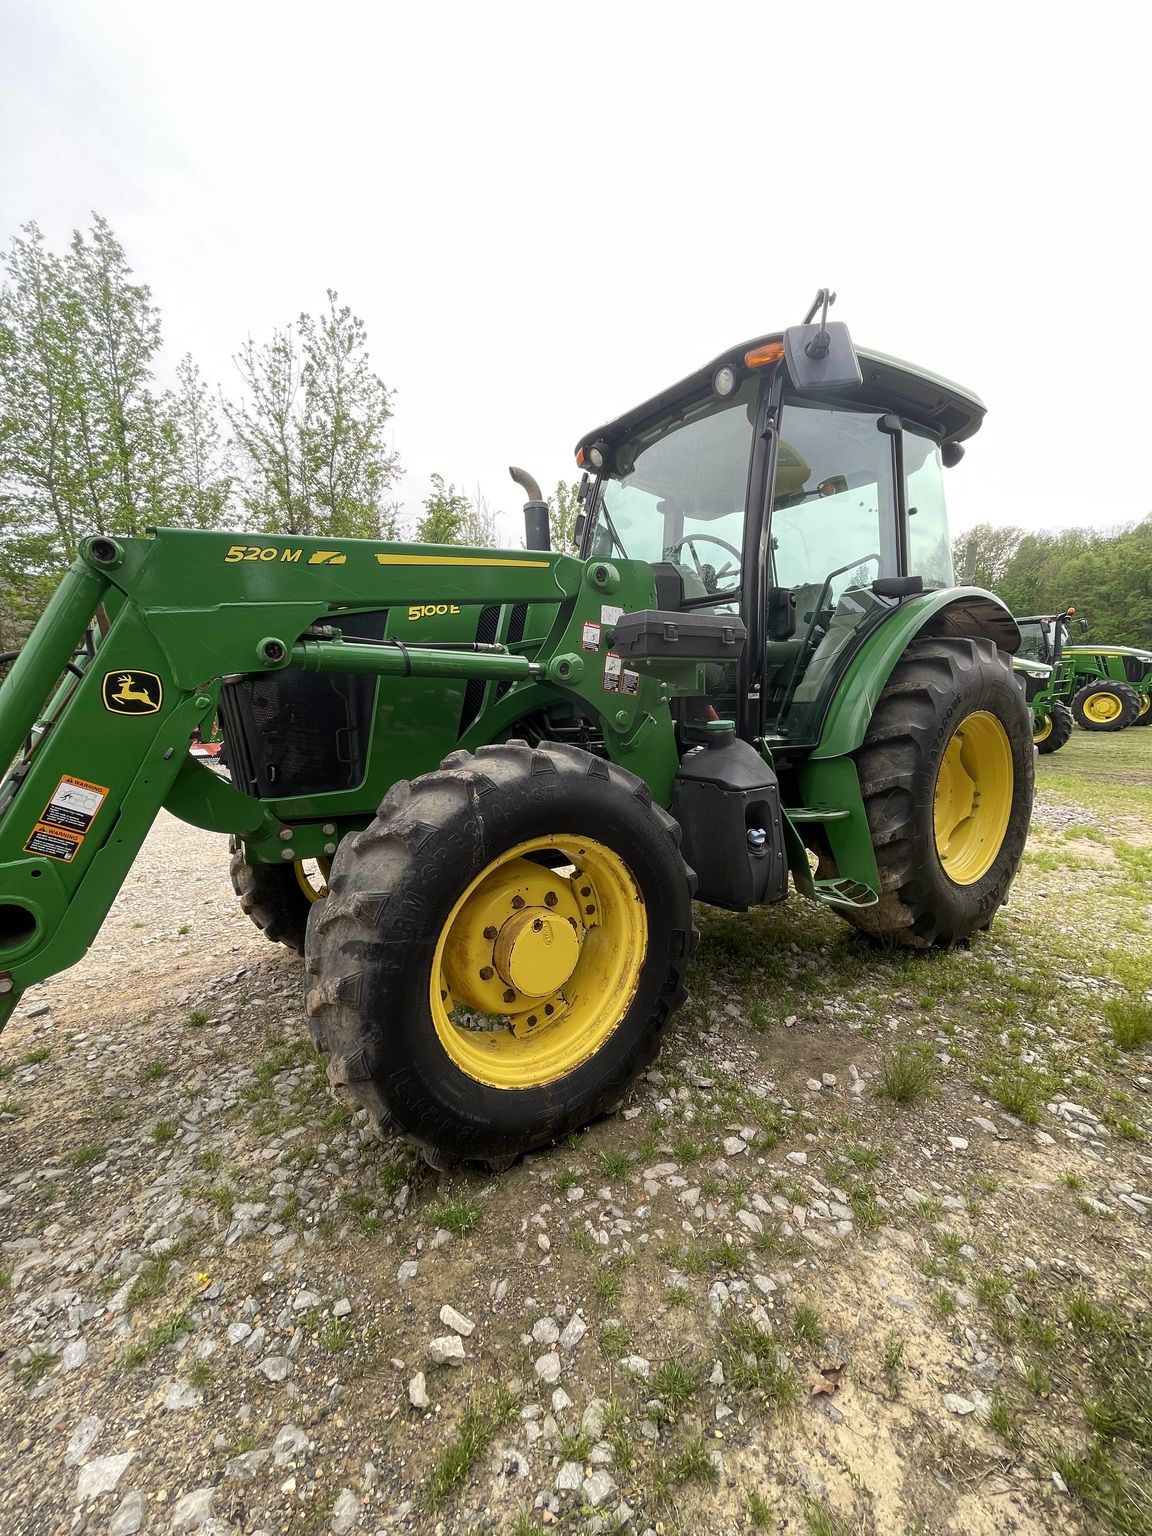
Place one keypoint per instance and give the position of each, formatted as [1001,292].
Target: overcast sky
[546,212]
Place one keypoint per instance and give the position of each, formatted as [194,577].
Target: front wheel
[946,771]
[1105,706]
[1144,717]
[278,897]
[500,950]
[1052,727]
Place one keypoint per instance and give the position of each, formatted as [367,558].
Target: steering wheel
[690,541]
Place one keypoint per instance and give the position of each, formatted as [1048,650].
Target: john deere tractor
[1101,687]
[480,788]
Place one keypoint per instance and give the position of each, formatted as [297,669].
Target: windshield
[678,493]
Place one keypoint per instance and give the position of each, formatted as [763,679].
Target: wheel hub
[536,951]
[1103,707]
[972,804]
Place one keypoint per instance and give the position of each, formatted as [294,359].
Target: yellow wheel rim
[1145,705]
[1103,708]
[312,877]
[1042,728]
[535,967]
[973,798]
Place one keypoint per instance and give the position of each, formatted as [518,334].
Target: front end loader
[481,788]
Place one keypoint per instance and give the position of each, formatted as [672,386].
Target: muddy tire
[538,881]
[1052,729]
[1105,706]
[946,771]
[273,896]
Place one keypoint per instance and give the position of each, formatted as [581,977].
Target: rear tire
[421,903]
[951,718]
[1052,729]
[273,896]
[1105,706]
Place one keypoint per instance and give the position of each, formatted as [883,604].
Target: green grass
[819,1520]
[755,1362]
[613,1165]
[153,1071]
[808,1326]
[607,1286]
[693,1463]
[760,1512]
[164,1131]
[35,1057]
[12,1107]
[196,1019]
[39,1362]
[615,1340]
[487,1412]
[460,1217]
[84,1157]
[573,1447]
[1131,1022]
[675,1384]
[907,1074]
[893,1364]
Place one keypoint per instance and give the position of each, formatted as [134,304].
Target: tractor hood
[947,411]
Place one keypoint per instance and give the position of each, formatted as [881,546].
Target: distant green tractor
[1101,687]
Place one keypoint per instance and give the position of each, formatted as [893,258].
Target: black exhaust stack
[537,530]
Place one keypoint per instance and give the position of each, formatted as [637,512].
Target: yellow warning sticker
[54,843]
[73,805]
[327,557]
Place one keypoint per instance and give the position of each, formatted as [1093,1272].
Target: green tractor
[480,788]
[1100,687]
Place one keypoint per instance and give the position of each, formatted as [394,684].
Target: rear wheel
[278,897]
[500,950]
[1105,706]
[1052,727]
[1145,715]
[946,771]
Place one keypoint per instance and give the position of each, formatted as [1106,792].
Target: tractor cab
[797,482]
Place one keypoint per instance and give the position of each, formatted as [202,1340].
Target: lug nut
[517,902]
[486,973]
[509,996]
[550,899]
[491,933]
[585,890]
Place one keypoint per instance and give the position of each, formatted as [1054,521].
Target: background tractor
[1101,687]
[481,788]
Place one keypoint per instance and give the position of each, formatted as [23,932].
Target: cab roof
[949,412]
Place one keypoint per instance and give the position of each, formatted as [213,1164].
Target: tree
[981,555]
[564,507]
[312,430]
[446,514]
[86,443]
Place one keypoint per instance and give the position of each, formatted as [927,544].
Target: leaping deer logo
[126,693]
[132,693]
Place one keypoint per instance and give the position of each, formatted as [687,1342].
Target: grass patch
[153,1071]
[34,1057]
[615,1340]
[808,1326]
[486,1413]
[760,1512]
[460,1217]
[164,1131]
[674,1384]
[907,1074]
[39,1362]
[693,1463]
[613,1165]
[196,1019]
[84,1157]
[1130,1020]
[755,1362]
[1022,1090]
[574,1447]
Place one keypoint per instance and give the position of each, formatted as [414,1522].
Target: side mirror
[1083,623]
[821,357]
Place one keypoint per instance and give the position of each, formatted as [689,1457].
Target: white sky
[547,212]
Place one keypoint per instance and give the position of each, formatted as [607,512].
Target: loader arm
[142,634]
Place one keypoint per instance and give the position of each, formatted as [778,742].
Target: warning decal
[613,666]
[54,843]
[74,804]
[590,636]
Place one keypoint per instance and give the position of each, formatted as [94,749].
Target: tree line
[1105,574]
[89,442]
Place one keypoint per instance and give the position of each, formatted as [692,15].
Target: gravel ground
[225,1309]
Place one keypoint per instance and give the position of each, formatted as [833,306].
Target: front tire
[1144,717]
[1105,706]
[946,772]
[500,950]
[1052,728]
[278,897]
